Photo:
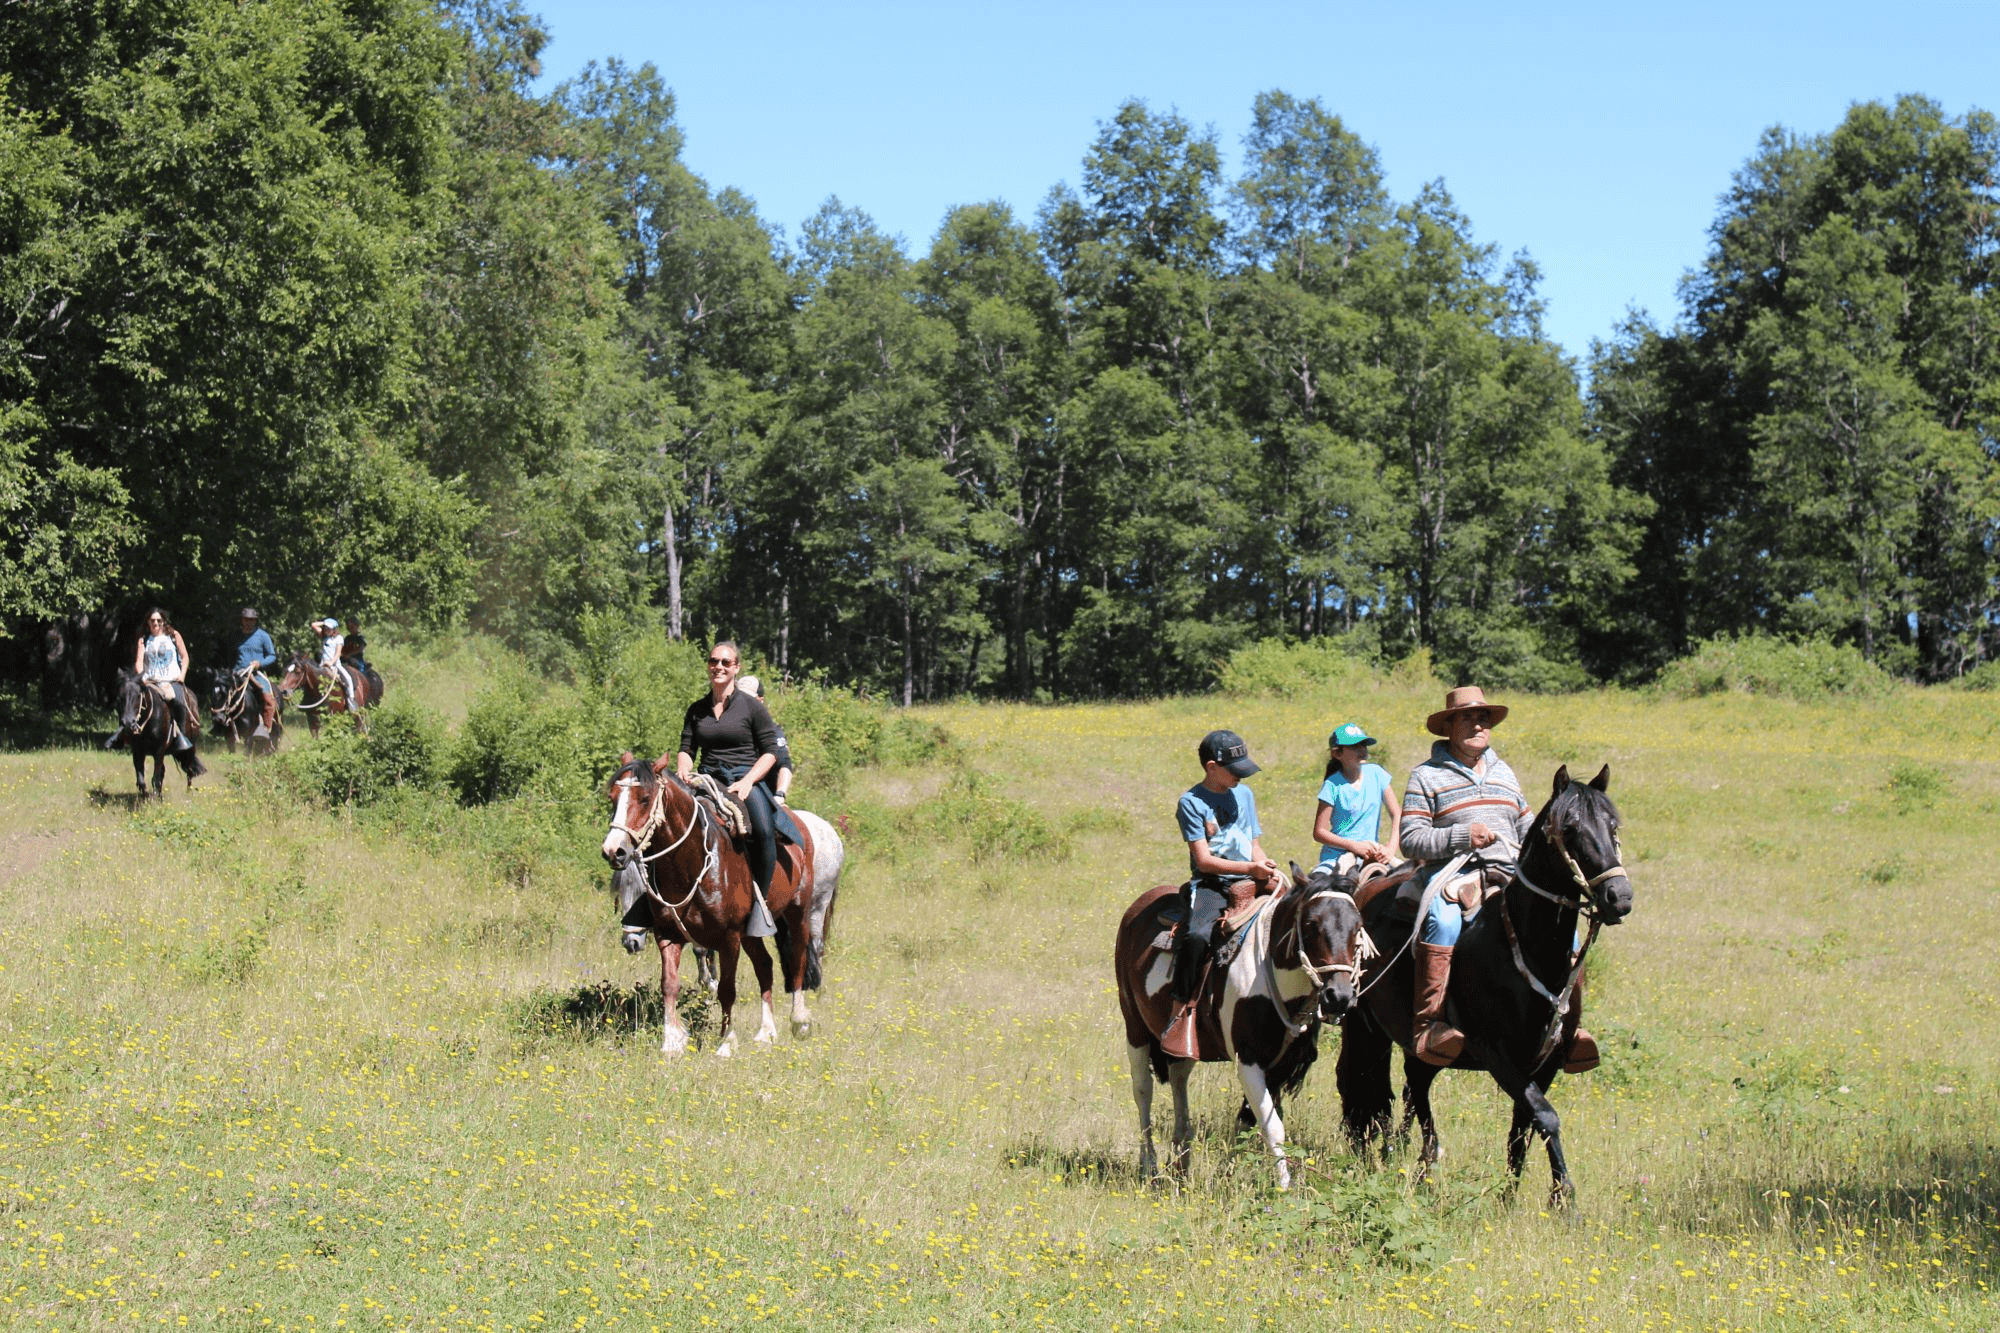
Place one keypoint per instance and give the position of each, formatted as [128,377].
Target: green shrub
[402,748]
[831,731]
[1272,666]
[1767,664]
[1983,678]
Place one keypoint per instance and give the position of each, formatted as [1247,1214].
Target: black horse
[1515,988]
[148,722]
[233,711]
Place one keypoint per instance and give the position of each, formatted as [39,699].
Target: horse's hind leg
[725,994]
[799,922]
[1141,1060]
[1177,1077]
[767,1023]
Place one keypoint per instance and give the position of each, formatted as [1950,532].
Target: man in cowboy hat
[1464,798]
[256,654]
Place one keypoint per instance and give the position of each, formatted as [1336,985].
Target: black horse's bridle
[1584,902]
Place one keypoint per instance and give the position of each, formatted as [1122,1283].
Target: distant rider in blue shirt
[256,654]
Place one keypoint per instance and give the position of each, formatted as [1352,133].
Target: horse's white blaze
[1257,1092]
[1141,1060]
[617,836]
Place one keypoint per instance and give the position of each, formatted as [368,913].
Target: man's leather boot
[1581,1057]
[1437,1042]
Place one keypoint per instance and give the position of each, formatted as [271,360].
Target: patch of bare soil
[24,853]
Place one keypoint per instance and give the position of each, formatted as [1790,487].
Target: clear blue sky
[1596,137]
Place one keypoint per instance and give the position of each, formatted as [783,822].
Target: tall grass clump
[1982,679]
[1767,664]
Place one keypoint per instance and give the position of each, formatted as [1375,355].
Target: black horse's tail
[1367,1102]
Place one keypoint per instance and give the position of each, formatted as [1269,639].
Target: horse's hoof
[766,1037]
[801,1030]
[726,1049]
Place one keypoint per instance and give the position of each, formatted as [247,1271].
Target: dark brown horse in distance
[679,875]
[1515,989]
[1292,969]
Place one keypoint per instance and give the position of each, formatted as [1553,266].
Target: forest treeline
[322,306]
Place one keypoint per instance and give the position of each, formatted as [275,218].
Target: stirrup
[1178,1041]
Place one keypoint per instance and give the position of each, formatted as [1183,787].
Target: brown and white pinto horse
[321,693]
[1293,970]
[678,875]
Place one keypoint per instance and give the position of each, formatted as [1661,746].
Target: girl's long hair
[1332,764]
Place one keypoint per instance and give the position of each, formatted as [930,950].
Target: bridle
[1583,902]
[1360,949]
[656,819]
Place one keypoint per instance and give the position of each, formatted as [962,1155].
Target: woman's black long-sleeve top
[730,743]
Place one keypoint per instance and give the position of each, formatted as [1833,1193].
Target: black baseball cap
[1227,748]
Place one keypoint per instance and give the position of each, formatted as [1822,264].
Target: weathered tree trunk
[671,538]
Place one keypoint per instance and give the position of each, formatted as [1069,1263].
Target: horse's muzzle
[1614,900]
[1335,1001]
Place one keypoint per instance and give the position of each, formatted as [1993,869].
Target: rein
[655,820]
[1581,904]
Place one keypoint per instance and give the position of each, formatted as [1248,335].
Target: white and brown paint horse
[323,692]
[1292,971]
[679,876]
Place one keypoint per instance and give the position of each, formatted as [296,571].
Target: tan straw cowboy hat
[1464,699]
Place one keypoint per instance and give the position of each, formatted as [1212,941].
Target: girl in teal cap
[1351,801]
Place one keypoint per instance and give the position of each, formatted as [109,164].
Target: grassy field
[268,1066]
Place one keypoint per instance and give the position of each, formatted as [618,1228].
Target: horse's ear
[1562,781]
[663,763]
[624,759]
[1298,875]
[1603,779]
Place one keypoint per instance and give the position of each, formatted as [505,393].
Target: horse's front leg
[1533,1111]
[673,1033]
[138,768]
[1264,1109]
[1417,1078]
[725,992]
[760,962]
[1141,1060]
[1177,1077]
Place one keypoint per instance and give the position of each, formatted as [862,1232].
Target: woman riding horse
[737,741]
[160,660]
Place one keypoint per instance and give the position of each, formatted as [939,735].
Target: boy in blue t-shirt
[1218,821]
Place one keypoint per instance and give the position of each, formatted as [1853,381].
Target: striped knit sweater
[1445,800]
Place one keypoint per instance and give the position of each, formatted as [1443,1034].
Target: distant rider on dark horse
[256,654]
[161,662]
[1464,798]
[1218,821]
[733,733]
